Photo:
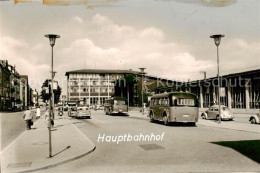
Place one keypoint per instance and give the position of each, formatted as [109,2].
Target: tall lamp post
[217,39]
[52,38]
[142,72]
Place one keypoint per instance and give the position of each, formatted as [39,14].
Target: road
[183,148]
[12,126]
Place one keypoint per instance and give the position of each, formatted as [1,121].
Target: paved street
[183,148]
[12,125]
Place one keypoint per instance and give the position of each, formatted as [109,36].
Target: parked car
[213,113]
[255,119]
[18,107]
[83,112]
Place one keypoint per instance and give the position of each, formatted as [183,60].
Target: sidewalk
[232,125]
[30,151]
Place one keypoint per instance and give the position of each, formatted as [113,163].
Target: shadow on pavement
[176,124]
[249,148]
[68,147]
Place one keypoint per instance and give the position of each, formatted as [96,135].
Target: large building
[93,86]
[239,91]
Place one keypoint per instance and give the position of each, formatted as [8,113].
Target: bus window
[185,102]
[119,102]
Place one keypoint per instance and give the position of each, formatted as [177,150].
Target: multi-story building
[4,86]
[14,86]
[93,86]
[24,90]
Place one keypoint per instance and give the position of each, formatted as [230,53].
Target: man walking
[28,118]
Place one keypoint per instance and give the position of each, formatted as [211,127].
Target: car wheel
[217,117]
[165,120]
[203,116]
[253,121]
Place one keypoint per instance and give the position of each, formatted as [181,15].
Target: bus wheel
[165,120]
[151,117]
[192,123]
[253,121]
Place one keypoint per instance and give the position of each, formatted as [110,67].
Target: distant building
[93,86]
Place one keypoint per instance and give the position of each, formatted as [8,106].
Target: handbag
[31,122]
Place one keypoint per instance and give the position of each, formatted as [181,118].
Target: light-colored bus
[174,107]
[116,105]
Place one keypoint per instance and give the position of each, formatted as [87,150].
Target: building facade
[5,101]
[93,86]
[14,88]
[137,88]
[239,91]
[24,93]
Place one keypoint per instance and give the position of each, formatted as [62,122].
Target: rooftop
[101,71]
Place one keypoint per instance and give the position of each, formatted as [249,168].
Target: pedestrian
[38,113]
[28,118]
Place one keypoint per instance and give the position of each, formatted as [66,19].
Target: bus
[174,107]
[116,105]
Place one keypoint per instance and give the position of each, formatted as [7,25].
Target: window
[185,102]
[119,102]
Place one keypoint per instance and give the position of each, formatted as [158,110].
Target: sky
[170,38]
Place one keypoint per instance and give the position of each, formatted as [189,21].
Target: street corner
[31,150]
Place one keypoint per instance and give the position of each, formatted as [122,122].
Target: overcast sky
[168,37]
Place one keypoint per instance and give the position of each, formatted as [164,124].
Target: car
[18,107]
[255,119]
[72,112]
[101,107]
[213,113]
[83,112]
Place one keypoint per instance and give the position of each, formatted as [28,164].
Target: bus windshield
[119,102]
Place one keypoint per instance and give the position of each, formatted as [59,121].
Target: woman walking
[38,113]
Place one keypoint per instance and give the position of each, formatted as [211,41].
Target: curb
[64,161]
[52,165]
[60,163]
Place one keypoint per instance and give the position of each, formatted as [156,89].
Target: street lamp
[52,38]
[217,39]
[142,72]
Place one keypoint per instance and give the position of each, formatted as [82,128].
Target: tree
[45,95]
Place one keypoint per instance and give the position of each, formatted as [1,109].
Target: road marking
[83,135]
[2,152]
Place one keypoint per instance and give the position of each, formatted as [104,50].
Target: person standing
[28,118]
[38,113]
